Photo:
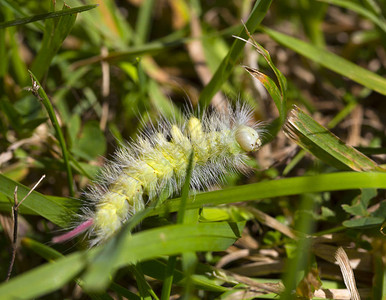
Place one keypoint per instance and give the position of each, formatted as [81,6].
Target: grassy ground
[76,82]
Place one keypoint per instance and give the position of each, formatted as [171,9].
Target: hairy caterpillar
[157,161]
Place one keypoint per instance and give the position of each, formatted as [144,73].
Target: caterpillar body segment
[158,161]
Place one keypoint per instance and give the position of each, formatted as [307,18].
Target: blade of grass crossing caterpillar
[100,269]
[181,219]
[322,143]
[281,187]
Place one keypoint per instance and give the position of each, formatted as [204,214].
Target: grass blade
[267,189]
[55,31]
[56,14]
[51,210]
[39,93]
[30,284]
[331,61]
[322,143]
[169,274]
[167,240]
[360,10]
[281,187]
[226,67]
[272,89]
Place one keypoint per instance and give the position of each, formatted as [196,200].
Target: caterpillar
[157,161]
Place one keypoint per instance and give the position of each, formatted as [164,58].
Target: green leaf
[360,203]
[365,222]
[331,61]
[214,214]
[56,14]
[322,143]
[381,211]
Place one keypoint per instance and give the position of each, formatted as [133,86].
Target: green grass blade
[272,89]
[39,92]
[360,10]
[52,255]
[226,67]
[51,210]
[150,48]
[279,75]
[56,14]
[298,264]
[169,273]
[322,143]
[262,190]
[145,291]
[55,31]
[379,281]
[18,11]
[103,264]
[167,240]
[124,292]
[30,284]
[155,268]
[331,61]
[267,189]
[44,251]
[281,187]
[13,52]
[144,22]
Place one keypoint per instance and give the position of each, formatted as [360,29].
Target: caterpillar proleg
[157,161]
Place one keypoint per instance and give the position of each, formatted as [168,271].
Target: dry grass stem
[347,272]
[15,209]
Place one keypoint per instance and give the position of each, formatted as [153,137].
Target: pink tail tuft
[73,233]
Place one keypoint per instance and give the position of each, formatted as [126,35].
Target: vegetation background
[103,68]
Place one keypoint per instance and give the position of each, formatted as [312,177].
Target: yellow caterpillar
[158,160]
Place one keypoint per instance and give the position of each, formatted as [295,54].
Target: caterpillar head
[248,138]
